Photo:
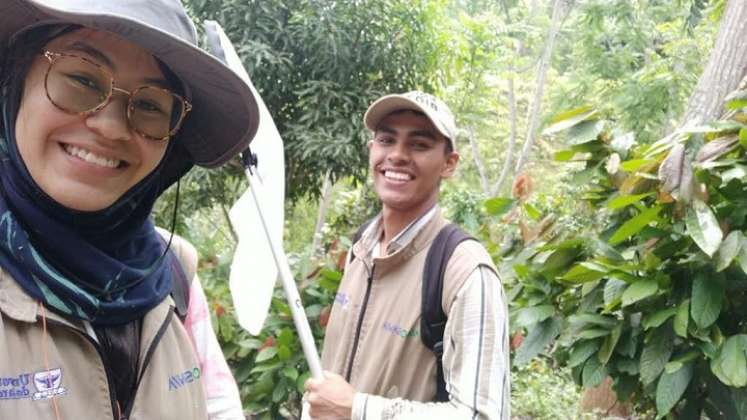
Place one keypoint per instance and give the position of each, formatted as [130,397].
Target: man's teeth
[399,176]
[90,157]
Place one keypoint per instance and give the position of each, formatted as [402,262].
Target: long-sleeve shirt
[223,402]
[476,371]
[475,360]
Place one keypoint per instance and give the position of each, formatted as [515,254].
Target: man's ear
[452,159]
[369,144]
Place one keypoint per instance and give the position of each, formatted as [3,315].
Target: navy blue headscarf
[108,267]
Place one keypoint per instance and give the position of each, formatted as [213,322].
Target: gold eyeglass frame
[186,105]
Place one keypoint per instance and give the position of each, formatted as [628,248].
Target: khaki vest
[390,358]
[64,362]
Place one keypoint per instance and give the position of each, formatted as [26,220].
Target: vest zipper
[360,323]
[146,361]
[107,370]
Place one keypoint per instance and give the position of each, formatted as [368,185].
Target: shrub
[656,298]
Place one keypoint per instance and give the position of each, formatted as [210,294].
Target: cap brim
[224,116]
[391,103]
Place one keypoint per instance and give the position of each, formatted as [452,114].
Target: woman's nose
[111,121]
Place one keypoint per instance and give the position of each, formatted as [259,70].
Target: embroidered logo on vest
[184,378]
[399,331]
[342,299]
[14,387]
[48,383]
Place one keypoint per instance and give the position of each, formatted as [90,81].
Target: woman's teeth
[90,157]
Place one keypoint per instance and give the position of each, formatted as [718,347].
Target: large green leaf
[594,319]
[670,388]
[568,119]
[582,351]
[640,290]
[538,338]
[682,318]
[634,225]
[559,260]
[594,373]
[703,227]
[613,291]
[626,200]
[729,249]
[656,354]
[707,298]
[609,345]
[497,206]
[585,272]
[730,364]
[590,333]
[266,354]
[635,164]
[584,132]
[657,318]
[532,315]
[742,255]
[736,99]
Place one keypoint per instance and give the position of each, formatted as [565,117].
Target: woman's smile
[91,158]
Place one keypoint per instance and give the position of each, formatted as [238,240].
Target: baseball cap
[433,108]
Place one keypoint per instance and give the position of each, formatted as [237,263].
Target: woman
[104,105]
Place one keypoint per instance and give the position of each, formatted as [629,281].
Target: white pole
[291,291]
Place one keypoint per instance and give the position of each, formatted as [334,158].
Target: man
[376,365]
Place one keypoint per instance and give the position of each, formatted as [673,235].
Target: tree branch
[534,113]
[478,162]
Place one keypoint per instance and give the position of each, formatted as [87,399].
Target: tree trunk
[478,162]
[321,216]
[512,136]
[558,11]
[726,66]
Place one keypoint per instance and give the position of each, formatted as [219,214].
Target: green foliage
[637,60]
[270,368]
[317,65]
[655,298]
[541,391]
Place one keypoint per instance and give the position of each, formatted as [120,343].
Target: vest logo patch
[184,378]
[399,331]
[342,299]
[48,384]
[15,387]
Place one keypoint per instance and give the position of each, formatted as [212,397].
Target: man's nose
[399,153]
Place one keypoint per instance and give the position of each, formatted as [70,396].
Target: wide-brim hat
[433,108]
[224,115]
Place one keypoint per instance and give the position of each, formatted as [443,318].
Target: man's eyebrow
[423,133]
[94,52]
[385,129]
[413,133]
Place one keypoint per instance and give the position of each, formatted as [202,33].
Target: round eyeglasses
[79,86]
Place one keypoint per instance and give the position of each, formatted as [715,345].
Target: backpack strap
[184,265]
[433,319]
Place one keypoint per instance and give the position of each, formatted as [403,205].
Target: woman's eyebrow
[93,52]
[102,57]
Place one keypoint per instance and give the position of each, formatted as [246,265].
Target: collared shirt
[476,370]
[405,236]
